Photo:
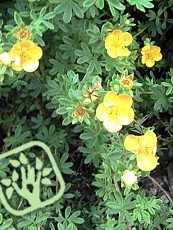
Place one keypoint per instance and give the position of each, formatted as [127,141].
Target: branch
[161,188]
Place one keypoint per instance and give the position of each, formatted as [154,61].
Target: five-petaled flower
[25,55]
[129,178]
[145,147]
[115,111]
[150,54]
[115,43]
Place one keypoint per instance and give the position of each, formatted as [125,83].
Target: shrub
[92,79]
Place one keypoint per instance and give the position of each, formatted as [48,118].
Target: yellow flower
[145,147]
[22,33]
[80,113]
[126,81]
[150,54]
[115,111]
[115,43]
[25,56]
[129,178]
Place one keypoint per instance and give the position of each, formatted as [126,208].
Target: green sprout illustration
[31,178]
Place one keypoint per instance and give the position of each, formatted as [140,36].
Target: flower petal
[156,49]
[102,112]
[36,52]
[5,58]
[150,63]
[157,56]
[144,59]
[145,48]
[17,67]
[127,38]
[30,65]
[131,143]
[110,99]
[146,162]
[26,44]
[149,139]
[125,116]
[129,178]
[122,51]
[124,100]
[110,40]
[112,52]
[112,124]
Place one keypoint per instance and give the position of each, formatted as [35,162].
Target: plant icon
[26,179]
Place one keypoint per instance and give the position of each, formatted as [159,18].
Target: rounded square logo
[28,177]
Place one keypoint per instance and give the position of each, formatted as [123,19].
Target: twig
[161,188]
[140,32]
[128,225]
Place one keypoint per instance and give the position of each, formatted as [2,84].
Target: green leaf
[77,10]
[67,14]
[146,216]
[75,218]
[100,4]
[15,176]
[23,159]
[67,212]
[67,121]
[114,206]
[61,110]
[39,164]
[6,182]
[48,25]
[88,3]
[17,19]
[6,225]
[42,12]
[9,192]
[42,218]
[46,171]
[116,4]
[46,181]
[49,16]
[141,5]
[24,223]
[1,218]
[15,163]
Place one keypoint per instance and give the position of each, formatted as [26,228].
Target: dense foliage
[62,88]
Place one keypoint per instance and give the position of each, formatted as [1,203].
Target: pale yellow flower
[145,147]
[150,54]
[115,111]
[115,43]
[25,56]
[129,178]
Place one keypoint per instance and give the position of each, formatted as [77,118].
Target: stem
[118,189]
[161,188]
[140,32]
[141,126]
